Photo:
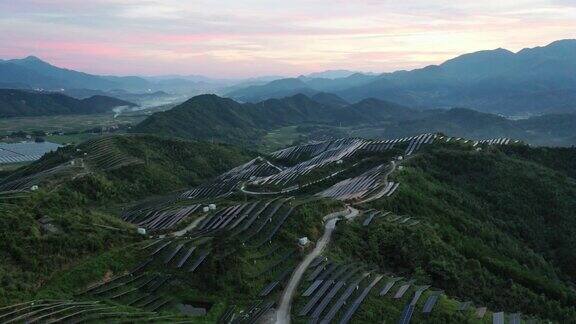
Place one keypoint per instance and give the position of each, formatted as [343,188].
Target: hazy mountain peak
[331,74]
[32,58]
[480,57]
[329,99]
[32,61]
[563,42]
[288,82]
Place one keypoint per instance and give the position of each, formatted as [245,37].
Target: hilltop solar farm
[24,152]
[235,249]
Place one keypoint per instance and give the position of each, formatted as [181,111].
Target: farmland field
[71,123]
[64,123]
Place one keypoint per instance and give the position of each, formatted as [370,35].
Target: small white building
[34,188]
[212,206]
[206,209]
[141,231]
[303,241]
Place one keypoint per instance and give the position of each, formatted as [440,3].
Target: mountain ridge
[21,103]
[496,81]
[209,117]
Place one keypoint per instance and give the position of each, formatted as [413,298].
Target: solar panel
[480,312]
[198,261]
[430,303]
[311,288]
[401,291]
[352,309]
[329,296]
[406,314]
[515,318]
[498,318]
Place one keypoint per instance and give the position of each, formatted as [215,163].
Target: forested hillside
[209,117]
[499,227]
[82,191]
[19,103]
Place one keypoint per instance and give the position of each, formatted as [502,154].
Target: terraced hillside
[426,229]
[63,209]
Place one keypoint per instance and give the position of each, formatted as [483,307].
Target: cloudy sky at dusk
[238,38]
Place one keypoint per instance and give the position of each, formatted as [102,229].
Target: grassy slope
[497,230]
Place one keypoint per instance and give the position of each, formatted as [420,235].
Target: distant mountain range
[532,81]
[33,73]
[19,103]
[331,74]
[209,117]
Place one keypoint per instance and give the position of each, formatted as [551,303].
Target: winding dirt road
[283,312]
[190,227]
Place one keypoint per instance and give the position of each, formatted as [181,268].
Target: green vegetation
[85,210]
[17,103]
[209,117]
[66,123]
[275,122]
[280,138]
[495,229]
[71,139]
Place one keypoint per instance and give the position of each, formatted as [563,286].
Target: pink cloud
[245,38]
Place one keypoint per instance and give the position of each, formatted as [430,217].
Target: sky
[246,38]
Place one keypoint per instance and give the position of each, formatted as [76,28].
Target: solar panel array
[260,172]
[69,311]
[408,311]
[314,149]
[104,154]
[25,152]
[494,141]
[224,184]
[331,152]
[101,153]
[497,141]
[327,152]
[177,253]
[19,182]
[253,313]
[418,141]
[160,217]
[361,186]
[335,291]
